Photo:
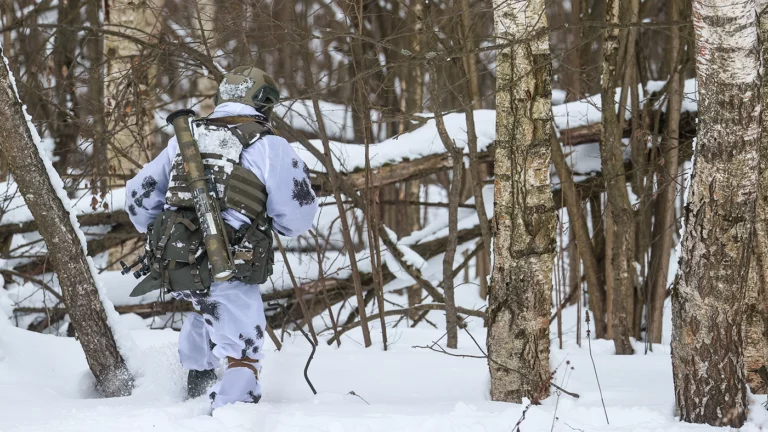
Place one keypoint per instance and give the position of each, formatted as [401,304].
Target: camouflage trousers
[230,325]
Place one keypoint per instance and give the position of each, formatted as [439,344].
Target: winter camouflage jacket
[291,203]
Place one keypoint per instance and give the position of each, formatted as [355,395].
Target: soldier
[259,184]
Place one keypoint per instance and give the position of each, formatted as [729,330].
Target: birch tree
[708,296]
[65,247]
[128,94]
[521,288]
[756,314]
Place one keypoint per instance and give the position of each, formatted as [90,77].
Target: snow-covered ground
[44,386]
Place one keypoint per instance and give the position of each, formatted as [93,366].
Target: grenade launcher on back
[206,207]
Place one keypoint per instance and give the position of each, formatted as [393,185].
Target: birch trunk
[619,208]
[524,246]
[756,316]
[127,85]
[65,249]
[709,293]
[128,101]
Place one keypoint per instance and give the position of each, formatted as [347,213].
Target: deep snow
[44,386]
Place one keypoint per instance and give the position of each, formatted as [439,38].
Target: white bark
[756,316]
[128,85]
[709,293]
[129,97]
[521,287]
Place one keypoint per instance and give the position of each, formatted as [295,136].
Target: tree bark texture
[66,122]
[524,247]
[64,247]
[709,292]
[665,224]
[129,76]
[129,96]
[611,153]
[578,226]
[94,103]
[454,198]
[756,314]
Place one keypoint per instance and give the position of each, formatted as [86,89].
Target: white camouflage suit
[232,323]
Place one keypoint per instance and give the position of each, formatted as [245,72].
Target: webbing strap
[247,133]
[160,248]
[245,362]
[194,269]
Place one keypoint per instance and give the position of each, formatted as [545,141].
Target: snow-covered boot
[240,383]
[199,381]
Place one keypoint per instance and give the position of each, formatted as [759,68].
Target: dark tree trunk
[65,249]
[618,208]
[665,225]
[66,124]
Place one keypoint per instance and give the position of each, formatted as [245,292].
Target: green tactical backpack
[179,262]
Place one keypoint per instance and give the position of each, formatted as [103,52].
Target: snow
[19,213]
[403,389]
[300,114]
[409,257]
[229,91]
[46,384]
[588,111]
[219,141]
[421,142]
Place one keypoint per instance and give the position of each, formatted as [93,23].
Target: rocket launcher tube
[206,207]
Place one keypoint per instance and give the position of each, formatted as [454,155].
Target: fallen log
[119,217]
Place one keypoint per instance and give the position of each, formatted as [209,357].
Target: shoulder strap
[246,129]
[248,133]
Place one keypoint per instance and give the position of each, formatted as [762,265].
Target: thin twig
[352,392]
[314,347]
[298,290]
[321,276]
[589,342]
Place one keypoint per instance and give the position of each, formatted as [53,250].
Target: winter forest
[530,215]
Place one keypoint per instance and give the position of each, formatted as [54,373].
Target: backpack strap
[246,129]
[248,133]
[194,269]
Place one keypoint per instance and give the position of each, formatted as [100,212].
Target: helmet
[250,86]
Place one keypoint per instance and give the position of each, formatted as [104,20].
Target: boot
[199,381]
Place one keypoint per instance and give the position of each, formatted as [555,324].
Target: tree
[65,247]
[521,287]
[709,291]
[665,216]
[618,228]
[129,91]
[756,302]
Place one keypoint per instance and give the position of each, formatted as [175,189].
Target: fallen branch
[43,285]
